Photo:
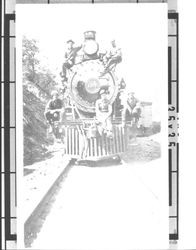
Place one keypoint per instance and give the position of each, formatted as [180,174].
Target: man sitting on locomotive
[113,57]
[70,56]
[131,108]
[103,114]
[54,110]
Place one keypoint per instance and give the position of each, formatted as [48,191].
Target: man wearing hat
[70,56]
[114,56]
[54,109]
[103,113]
[131,107]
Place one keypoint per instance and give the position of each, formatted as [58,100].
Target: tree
[33,73]
[37,85]
[29,59]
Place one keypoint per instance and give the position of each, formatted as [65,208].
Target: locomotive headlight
[90,47]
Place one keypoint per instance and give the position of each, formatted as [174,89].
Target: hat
[70,41]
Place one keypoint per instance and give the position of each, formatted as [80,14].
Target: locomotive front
[86,74]
[87,77]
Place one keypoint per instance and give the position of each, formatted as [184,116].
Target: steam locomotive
[85,79]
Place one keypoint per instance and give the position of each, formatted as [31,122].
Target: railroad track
[35,221]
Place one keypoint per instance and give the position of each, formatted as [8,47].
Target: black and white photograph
[92,108]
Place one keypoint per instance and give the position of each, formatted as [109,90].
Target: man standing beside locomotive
[54,109]
[103,114]
[132,108]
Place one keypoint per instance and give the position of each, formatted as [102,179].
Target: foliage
[38,82]
[33,73]
[29,59]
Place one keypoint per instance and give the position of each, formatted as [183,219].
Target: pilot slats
[97,146]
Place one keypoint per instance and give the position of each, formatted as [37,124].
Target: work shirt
[132,102]
[115,52]
[103,106]
[70,54]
